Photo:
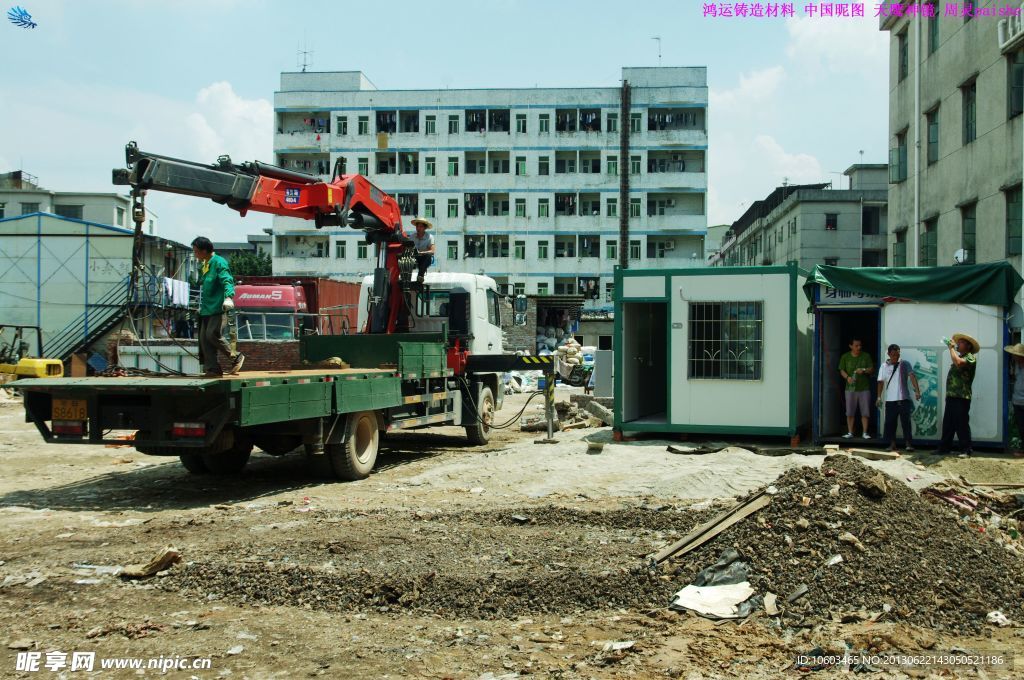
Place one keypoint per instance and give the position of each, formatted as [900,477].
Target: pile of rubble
[846,542]
[570,415]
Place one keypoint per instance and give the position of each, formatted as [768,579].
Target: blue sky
[790,98]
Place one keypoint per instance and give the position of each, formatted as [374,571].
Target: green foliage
[250,264]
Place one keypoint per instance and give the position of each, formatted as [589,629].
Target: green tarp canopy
[995,283]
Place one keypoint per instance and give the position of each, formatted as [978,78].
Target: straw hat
[1016,350]
[417,221]
[975,345]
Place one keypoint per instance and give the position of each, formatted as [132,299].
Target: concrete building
[814,224]
[521,184]
[254,243]
[20,194]
[956,93]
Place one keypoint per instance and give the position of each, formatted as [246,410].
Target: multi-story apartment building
[20,194]
[814,224]
[956,93]
[520,184]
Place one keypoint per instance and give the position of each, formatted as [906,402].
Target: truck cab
[269,312]
[467,304]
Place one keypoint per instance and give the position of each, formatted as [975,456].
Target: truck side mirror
[519,305]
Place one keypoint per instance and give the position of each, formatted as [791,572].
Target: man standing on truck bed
[425,248]
[216,290]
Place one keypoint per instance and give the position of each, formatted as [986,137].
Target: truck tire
[193,462]
[230,461]
[353,459]
[480,432]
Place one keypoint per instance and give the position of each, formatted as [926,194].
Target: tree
[250,264]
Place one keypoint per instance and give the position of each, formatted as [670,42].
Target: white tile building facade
[520,184]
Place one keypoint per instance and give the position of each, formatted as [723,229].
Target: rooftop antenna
[658,38]
[304,57]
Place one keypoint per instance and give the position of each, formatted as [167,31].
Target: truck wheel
[193,462]
[354,459]
[480,432]
[230,461]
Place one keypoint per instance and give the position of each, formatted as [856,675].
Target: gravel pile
[901,555]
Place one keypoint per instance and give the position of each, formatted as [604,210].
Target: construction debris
[165,560]
[709,530]
[892,552]
[598,411]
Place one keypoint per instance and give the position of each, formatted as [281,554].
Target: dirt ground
[513,559]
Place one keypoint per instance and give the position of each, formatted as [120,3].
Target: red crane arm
[347,200]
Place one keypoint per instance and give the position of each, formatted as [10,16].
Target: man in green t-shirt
[217,290]
[956,416]
[856,368]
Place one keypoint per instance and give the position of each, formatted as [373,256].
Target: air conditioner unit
[670,245]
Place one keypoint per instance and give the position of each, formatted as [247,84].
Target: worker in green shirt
[216,293]
[856,368]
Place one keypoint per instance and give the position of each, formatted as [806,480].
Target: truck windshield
[255,326]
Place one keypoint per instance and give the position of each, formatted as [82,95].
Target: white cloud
[71,135]
[820,45]
[746,161]
[756,87]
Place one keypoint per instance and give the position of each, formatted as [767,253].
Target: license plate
[69,409]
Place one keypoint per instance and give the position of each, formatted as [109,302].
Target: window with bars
[831,221]
[521,122]
[929,248]
[543,209]
[453,166]
[932,121]
[634,165]
[430,125]
[543,165]
[364,125]
[904,54]
[968,231]
[542,250]
[544,122]
[364,166]
[339,250]
[453,250]
[453,125]
[340,125]
[636,122]
[430,166]
[1015,82]
[520,207]
[519,250]
[899,250]
[453,207]
[520,165]
[612,207]
[542,288]
[969,95]
[518,289]
[613,165]
[898,159]
[726,340]
[429,209]
[634,250]
[1013,221]
[362,251]
[612,122]
[634,207]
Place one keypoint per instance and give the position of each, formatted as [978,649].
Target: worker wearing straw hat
[425,248]
[956,416]
[1017,352]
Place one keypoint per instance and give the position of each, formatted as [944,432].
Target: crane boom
[346,201]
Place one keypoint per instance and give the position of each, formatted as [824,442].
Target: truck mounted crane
[346,201]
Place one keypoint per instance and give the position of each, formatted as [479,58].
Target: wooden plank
[1002,485]
[709,530]
[874,454]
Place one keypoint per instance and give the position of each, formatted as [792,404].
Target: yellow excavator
[15,361]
